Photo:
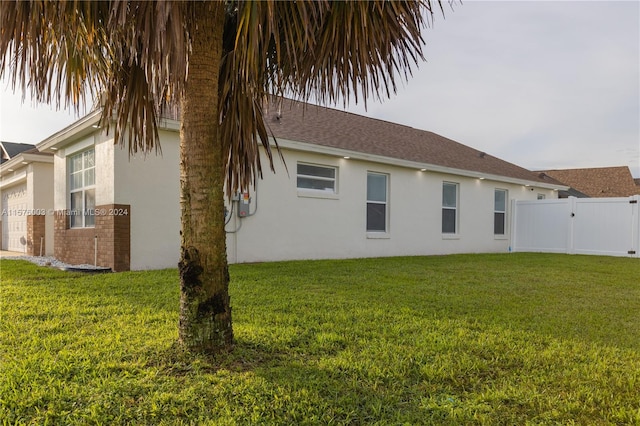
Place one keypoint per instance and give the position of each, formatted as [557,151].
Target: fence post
[570,217]
[514,219]
[635,225]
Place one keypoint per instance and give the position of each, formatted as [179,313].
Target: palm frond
[329,50]
[135,54]
[58,52]
[149,62]
[361,48]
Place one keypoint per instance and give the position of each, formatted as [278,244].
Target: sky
[542,84]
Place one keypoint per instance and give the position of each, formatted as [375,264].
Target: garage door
[14,220]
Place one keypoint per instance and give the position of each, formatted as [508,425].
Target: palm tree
[217,61]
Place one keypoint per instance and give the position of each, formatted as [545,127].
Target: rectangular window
[317,178]
[449,208]
[541,196]
[499,211]
[82,179]
[376,202]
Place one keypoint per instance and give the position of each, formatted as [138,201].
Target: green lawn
[465,339]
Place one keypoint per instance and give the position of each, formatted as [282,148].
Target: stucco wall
[41,180]
[290,225]
[150,185]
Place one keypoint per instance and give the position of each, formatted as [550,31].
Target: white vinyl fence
[603,226]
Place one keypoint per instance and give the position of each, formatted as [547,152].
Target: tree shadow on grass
[286,386]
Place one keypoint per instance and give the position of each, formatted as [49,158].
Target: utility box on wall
[244,204]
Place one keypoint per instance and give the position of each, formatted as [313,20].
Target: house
[112,209]
[351,186]
[599,182]
[26,193]
[8,150]
[569,192]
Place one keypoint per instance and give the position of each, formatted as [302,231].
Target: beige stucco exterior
[147,183]
[285,222]
[299,224]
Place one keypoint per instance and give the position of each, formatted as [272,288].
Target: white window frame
[328,192]
[497,211]
[455,209]
[82,217]
[373,233]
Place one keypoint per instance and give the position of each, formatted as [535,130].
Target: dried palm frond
[329,50]
[135,55]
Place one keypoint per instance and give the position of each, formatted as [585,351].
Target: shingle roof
[338,129]
[11,149]
[598,182]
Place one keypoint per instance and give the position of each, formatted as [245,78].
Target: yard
[466,339]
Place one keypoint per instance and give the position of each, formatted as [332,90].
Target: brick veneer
[35,235]
[113,232]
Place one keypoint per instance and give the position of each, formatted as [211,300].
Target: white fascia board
[36,158]
[356,155]
[82,127]
[4,151]
[168,124]
[17,178]
[16,162]
[85,126]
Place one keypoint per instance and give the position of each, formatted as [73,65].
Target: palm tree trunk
[205,313]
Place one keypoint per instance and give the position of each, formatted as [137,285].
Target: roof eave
[357,155]
[88,124]
[79,128]
[22,160]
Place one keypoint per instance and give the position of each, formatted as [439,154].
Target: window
[449,207]
[499,211]
[541,196]
[376,202]
[317,178]
[82,179]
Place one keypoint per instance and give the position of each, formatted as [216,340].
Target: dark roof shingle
[339,129]
[599,181]
[11,149]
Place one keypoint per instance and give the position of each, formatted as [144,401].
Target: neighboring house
[599,182]
[8,150]
[26,193]
[352,187]
[569,192]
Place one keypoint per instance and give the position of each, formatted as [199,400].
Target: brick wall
[113,232]
[35,235]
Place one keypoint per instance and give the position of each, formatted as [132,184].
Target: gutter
[82,127]
[21,160]
[17,178]
[88,124]
[424,167]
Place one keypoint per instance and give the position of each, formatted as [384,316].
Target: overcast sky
[541,84]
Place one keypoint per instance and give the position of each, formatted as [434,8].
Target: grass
[465,339]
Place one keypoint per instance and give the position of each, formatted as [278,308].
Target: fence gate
[604,226]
